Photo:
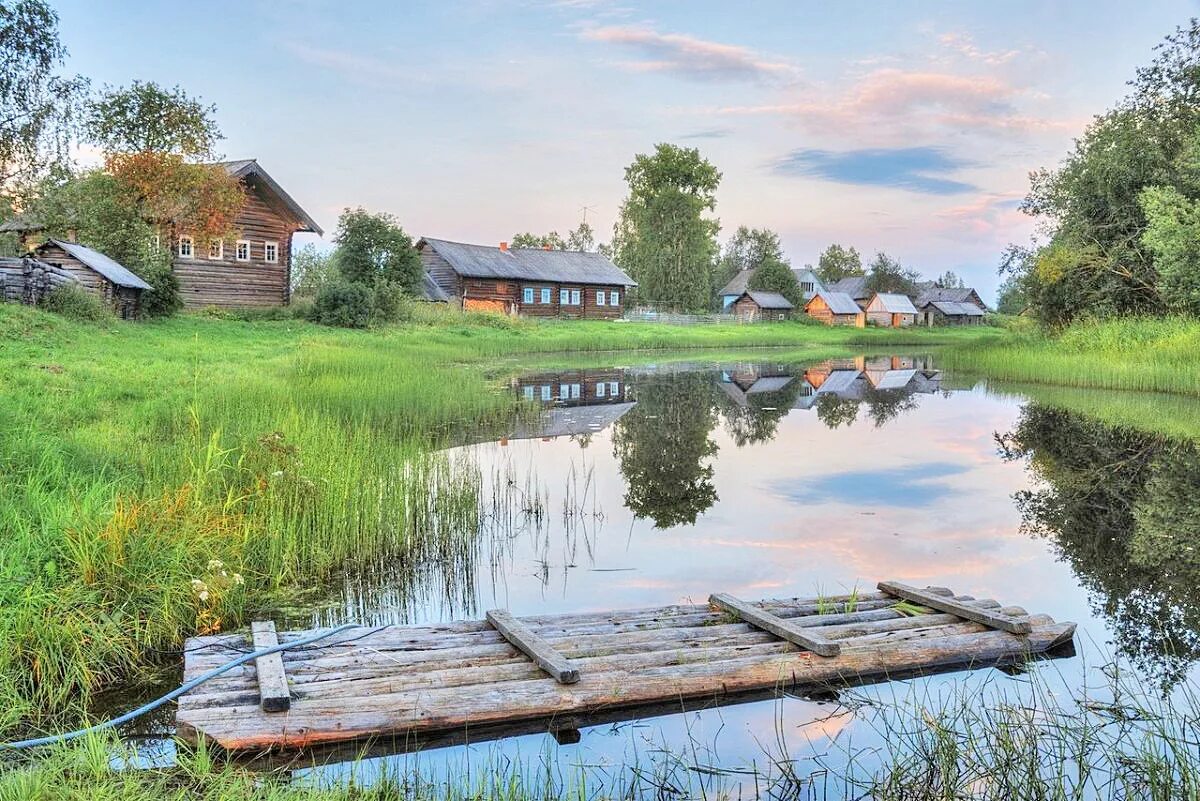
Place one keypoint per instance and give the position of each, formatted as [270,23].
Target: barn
[97,273]
[891,310]
[835,308]
[754,306]
[532,282]
[949,312]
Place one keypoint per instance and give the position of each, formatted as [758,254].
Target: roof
[117,273]
[894,303]
[855,286]
[952,309]
[768,300]
[559,421]
[528,264]
[770,383]
[838,302]
[741,281]
[246,168]
[952,294]
[894,379]
[431,291]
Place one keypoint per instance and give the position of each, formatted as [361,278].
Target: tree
[37,106]
[146,118]
[374,248]
[949,280]
[662,237]
[1172,235]
[311,270]
[837,262]
[888,275]
[747,249]
[582,238]
[527,240]
[774,275]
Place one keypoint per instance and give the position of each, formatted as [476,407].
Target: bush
[163,299]
[392,304]
[344,304]
[76,303]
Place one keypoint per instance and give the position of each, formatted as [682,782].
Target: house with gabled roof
[856,287]
[810,284]
[754,305]
[115,284]
[928,292]
[835,308]
[891,310]
[535,282]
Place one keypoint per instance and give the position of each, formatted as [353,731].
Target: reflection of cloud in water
[904,487]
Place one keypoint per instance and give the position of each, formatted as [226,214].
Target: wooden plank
[776,625]
[533,646]
[273,695]
[995,620]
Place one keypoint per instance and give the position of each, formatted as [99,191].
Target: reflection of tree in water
[759,418]
[664,448]
[835,412]
[884,405]
[1120,506]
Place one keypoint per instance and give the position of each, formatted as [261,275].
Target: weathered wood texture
[273,694]
[949,605]
[28,280]
[539,650]
[420,680]
[818,309]
[762,619]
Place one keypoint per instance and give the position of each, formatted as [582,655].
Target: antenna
[585,210]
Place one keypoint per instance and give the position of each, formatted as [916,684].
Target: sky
[907,127]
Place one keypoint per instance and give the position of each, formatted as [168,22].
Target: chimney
[504,246]
[546,246]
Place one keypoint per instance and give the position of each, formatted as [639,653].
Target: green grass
[159,479]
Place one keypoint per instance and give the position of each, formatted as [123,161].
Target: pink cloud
[689,57]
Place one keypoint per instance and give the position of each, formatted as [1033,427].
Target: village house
[948,312]
[856,287]
[928,292]
[534,282]
[835,308]
[117,286]
[754,306]
[890,310]
[809,283]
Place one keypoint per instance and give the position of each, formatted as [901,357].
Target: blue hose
[171,696]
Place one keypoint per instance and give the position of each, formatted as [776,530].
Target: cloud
[690,58]
[916,169]
[350,65]
[994,216]
[963,45]
[709,133]
[901,487]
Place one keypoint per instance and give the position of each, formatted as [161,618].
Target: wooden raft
[406,681]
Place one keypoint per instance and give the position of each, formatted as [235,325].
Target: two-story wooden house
[534,282]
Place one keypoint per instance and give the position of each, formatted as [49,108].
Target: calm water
[659,484]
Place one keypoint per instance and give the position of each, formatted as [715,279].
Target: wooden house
[856,287]
[534,282]
[96,273]
[835,308]
[252,267]
[755,306]
[929,292]
[890,310]
[809,283]
[948,312]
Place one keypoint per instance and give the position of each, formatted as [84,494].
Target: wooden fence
[28,280]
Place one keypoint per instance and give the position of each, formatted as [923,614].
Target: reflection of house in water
[744,384]
[850,379]
[575,402]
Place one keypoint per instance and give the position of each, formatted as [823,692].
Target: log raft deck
[422,682]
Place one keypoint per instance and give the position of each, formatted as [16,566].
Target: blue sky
[909,127]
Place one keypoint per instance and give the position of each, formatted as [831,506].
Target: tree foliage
[37,106]
[949,280]
[837,262]
[747,249]
[311,270]
[146,118]
[373,248]
[888,275]
[582,238]
[663,237]
[774,275]
[1172,235]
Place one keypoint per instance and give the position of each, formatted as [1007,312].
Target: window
[527,295]
[545,295]
[185,247]
[806,287]
[564,392]
[614,298]
[564,297]
[599,297]
[545,392]
[600,389]
[575,391]
[528,393]
[243,250]
[613,388]
[271,252]
[216,249]
[574,297]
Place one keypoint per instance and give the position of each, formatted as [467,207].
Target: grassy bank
[157,479]
[1142,354]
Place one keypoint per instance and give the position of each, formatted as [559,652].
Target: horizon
[882,128]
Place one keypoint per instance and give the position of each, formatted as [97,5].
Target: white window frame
[528,392]
[564,297]
[546,296]
[237,250]
[269,259]
[574,392]
[564,392]
[614,388]
[614,297]
[600,298]
[527,295]
[191,247]
[546,392]
[600,388]
[575,297]
[220,243]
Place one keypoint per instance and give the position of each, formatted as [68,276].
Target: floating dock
[406,682]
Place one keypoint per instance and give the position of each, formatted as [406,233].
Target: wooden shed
[890,310]
[835,308]
[754,306]
[948,312]
[98,274]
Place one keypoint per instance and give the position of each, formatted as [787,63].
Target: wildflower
[215,564]
[204,595]
[198,585]
[237,579]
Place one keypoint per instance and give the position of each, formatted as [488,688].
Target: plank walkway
[405,681]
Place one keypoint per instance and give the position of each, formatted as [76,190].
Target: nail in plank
[272,681]
[780,627]
[523,639]
[987,617]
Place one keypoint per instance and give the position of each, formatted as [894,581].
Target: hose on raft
[186,687]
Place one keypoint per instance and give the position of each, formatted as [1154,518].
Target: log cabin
[810,284]
[835,308]
[889,310]
[754,306]
[253,267]
[929,292]
[948,312]
[116,285]
[532,282]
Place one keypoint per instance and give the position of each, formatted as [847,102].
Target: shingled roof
[117,273]
[529,264]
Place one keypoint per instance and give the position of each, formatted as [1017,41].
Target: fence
[649,314]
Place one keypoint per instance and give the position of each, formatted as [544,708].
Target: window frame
[576,297]
[237,250]
[546,297]
[600,389]
[601,298]
[275,259]
[191,246]
[564,297]
[527,295]
[614,298]
[220,243]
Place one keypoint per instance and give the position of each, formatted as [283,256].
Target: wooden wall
[587,308]
[91,280]
[442,273]
[230,283]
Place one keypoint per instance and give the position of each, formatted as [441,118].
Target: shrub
[163,299]
[392,304]
[76,303]
[344,304]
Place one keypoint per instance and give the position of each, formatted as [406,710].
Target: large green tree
[837,262]
[886,274]
[664,237]
[373,247]
[747,249]
[145,117]
[774,275]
